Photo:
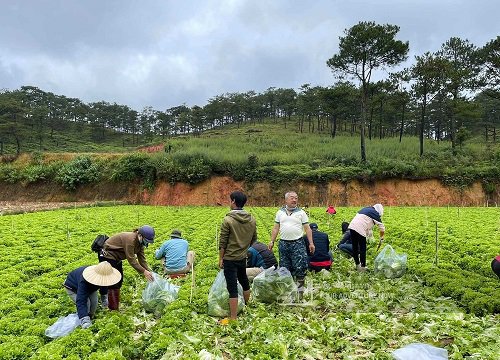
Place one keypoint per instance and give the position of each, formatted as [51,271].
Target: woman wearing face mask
[130,246]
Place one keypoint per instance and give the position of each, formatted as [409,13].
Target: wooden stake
[436,259]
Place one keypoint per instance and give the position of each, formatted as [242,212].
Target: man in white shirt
[291,222]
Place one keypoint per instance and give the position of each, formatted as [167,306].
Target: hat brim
[91,276]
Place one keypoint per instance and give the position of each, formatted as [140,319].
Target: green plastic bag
[218,297]
[274,285]
[390,264]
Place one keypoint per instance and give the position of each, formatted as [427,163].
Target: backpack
[98,243]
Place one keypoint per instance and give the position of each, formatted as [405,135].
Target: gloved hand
[85,322]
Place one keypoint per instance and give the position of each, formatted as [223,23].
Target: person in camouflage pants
[291,222]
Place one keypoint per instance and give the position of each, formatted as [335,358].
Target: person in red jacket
[495,265]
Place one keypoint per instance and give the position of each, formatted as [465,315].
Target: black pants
[495,266]
[358,248]
[234,271]
[118,265]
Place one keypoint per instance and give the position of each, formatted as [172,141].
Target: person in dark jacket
[259,257]
[82,284]
[345,244]
[322,258]
[237,233]
[495,265]
[129,246]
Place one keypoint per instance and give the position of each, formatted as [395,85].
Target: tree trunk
[363,119]
[402,123]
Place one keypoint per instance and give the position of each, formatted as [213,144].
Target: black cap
[313,226]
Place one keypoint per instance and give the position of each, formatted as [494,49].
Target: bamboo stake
[192,284]
[436,259]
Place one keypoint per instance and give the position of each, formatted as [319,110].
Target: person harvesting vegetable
[495,265]
[291,222]
[259,257]
[129,246]
[237,232]
[345,244]
[176,258]
[359,227]
[322,257]
[82,284]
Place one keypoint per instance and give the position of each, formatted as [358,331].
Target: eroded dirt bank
[216,190]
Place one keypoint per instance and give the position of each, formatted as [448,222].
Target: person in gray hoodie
[237,233]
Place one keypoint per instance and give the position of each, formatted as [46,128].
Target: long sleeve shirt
[126,245]
[82,288]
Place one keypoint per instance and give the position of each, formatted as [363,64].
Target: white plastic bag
[418,351]
[390,264]
[218,297]
[158,293]
[63,326]
[274,285]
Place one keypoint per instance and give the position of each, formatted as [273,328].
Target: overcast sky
[164,53]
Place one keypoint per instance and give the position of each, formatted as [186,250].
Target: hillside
[253,153]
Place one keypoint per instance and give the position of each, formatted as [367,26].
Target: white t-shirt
[291,226]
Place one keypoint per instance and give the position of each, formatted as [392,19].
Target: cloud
[164,53]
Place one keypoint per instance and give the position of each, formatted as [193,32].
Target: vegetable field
[345,315]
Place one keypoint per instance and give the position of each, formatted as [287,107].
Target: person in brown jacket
[238,231]
[129,246]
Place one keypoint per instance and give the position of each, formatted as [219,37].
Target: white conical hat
[102,274]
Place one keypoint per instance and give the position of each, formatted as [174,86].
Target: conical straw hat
[102,274]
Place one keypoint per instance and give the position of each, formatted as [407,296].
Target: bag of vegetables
[158,294]
[390,264]
[218,297]
[274,285]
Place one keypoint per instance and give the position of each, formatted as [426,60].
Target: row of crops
[345,315]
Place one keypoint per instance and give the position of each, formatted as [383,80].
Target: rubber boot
[113,299]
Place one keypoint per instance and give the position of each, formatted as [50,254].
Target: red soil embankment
[216,190]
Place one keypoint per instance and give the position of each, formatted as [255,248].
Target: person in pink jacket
[360,226]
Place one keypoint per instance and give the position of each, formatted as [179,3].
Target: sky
[165,53]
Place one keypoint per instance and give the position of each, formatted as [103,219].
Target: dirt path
[17,207]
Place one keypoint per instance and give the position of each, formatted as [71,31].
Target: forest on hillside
[452,94]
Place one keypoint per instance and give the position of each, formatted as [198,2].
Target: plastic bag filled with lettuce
[390,264]
[158,293]
[274,285]
[218,297]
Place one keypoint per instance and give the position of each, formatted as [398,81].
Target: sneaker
[362,268]
[226,321]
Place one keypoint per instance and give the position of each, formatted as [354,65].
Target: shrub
[10,174]
[79,171]
[41,172]
[135,166]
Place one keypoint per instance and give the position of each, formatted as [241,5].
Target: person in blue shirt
[259,257]
[82,284]
[175,255]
